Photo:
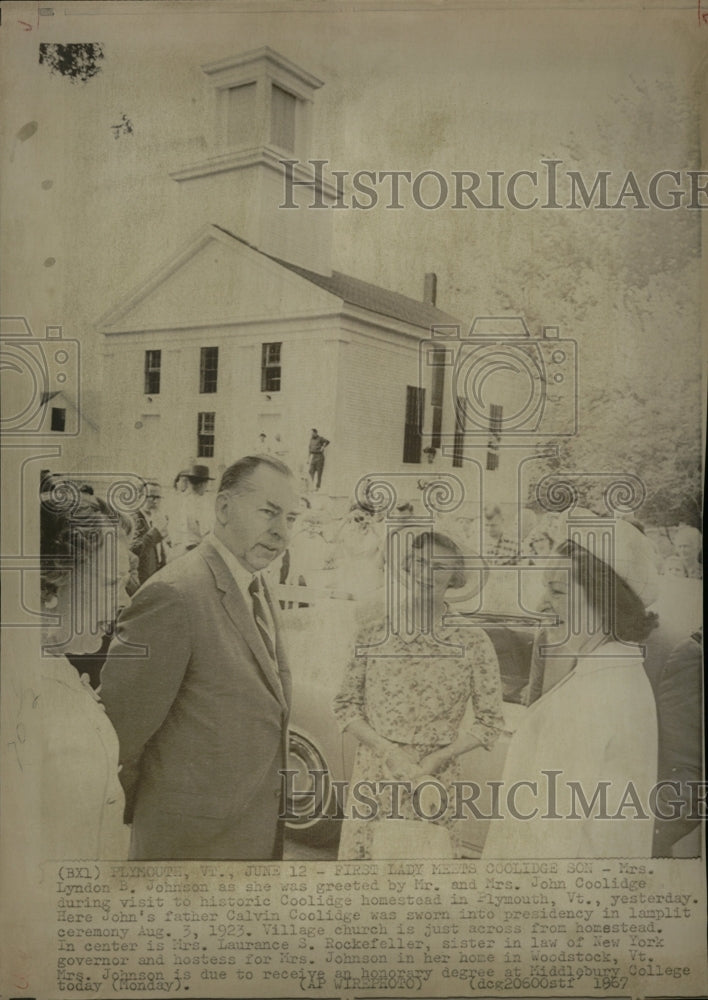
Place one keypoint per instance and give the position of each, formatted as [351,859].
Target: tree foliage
[78,61]
[625,285]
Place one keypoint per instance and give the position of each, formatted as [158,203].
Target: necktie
[159,547]
[262,617]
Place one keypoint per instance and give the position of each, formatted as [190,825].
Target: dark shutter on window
[439,355]
[412,442]
[495,428]
[458,446]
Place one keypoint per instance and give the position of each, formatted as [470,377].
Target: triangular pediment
[216,279]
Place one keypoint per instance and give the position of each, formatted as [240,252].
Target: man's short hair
[236,474]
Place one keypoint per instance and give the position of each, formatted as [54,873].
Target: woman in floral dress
[405,699]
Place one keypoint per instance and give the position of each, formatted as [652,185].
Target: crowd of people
[178,615]
[344,552]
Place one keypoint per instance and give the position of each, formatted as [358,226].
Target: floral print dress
[414,693]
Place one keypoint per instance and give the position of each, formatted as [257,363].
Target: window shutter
[458,445]
[412,441]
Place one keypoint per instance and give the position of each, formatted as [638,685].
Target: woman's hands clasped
[435,762]
[403,765]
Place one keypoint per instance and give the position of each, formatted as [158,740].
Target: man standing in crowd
[193,514]
[497,545]
[687,543]
[150,534]
[197,685]
[317,458]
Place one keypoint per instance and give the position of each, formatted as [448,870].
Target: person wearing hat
[581,765]
[191,518]
[197,684]
[198,477]
[405,699]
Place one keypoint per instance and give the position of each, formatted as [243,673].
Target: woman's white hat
[634,561]
[631,555]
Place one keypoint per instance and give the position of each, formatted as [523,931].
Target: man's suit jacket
[146,545]
[201,715]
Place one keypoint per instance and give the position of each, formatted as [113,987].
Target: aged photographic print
[353,433]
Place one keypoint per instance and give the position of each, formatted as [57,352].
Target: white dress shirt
[244,578]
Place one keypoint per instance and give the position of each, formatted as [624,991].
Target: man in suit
[150,535]
[197,685]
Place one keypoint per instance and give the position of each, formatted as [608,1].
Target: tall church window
[208,369]
[58,418]
[153,365]
[271,367]
[206,423]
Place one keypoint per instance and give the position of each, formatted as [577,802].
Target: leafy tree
[78,61]
[625,285]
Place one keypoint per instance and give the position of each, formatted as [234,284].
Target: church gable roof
[219,277]
[366,295]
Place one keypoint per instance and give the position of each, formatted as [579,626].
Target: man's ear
[221,507]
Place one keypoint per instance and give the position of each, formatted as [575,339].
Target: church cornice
[235,69]
[266,156]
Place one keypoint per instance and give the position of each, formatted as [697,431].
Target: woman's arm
[436,761]
[485,692]
[349,708]
[399,762]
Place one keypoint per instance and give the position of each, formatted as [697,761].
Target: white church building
[247,330]
[227,342]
